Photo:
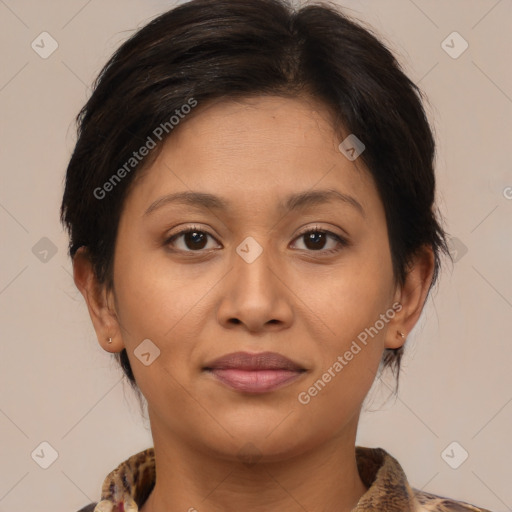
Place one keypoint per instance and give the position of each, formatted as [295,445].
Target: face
[256,273]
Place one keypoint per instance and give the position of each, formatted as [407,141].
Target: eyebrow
[293,202]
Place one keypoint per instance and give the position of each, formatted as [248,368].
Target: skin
[293,299]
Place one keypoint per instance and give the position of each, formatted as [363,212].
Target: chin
[261,442]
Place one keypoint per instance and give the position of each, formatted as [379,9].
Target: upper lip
[258,361]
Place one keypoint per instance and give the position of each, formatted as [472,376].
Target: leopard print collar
[127,487]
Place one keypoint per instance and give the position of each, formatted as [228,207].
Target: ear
[98,299]
[411,296]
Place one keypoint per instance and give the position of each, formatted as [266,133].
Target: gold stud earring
[109,340]
[401,334]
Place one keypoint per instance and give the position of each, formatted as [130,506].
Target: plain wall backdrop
[59,387]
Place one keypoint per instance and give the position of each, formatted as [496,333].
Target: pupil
[314,238]
[192,234]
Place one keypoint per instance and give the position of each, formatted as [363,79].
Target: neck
[323,478]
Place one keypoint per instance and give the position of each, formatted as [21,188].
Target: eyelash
[342,242]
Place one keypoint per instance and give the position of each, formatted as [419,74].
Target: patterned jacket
[388,490]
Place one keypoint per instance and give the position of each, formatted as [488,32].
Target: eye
[316,238]
[193,239]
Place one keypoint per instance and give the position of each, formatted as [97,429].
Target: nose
[255,295]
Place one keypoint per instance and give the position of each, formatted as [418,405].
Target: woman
[250,205]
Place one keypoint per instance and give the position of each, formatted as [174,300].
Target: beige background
[57,385]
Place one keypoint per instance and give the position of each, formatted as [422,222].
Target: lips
[254,373]
[260,361]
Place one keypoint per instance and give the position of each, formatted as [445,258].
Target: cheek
[349,356]
[158,303]
[157,298]
[354,310]
[347,302]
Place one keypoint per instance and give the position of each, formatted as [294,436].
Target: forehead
[255,150]
[231,129]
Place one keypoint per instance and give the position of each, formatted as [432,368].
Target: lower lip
[255,381]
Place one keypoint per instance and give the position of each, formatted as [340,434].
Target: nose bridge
[252,266]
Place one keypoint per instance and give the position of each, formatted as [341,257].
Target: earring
[109,340]
[401,334]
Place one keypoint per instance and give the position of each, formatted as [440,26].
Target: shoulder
[433,503]
[88,508]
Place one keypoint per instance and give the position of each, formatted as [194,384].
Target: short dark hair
[213,49]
